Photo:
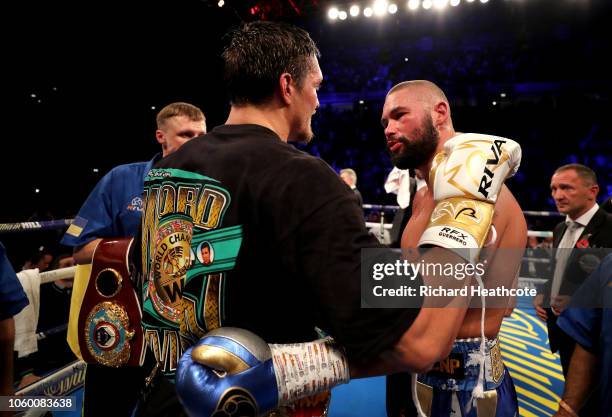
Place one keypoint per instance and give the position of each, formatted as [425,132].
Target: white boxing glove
[466,178]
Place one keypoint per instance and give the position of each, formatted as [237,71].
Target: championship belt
[110,331]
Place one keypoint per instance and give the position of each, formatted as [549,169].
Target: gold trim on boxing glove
[471,216]
[219,359]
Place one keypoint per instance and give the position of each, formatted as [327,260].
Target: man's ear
[286,87]
[441,113]
[159,135]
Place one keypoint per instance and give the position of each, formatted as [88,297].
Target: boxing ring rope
[30,226]
[525,212]
[58,224]
[388,226]
[63,273]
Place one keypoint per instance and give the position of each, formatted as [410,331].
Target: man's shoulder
[606,218]
[129,168]
[600,227]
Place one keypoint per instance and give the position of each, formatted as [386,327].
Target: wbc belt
[110,331]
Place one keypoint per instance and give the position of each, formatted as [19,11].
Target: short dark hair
[583,171]
[258,53]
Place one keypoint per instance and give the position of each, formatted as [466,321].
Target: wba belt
[109,325]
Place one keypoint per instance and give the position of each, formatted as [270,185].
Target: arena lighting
[440,4]
[221,3]
[392,8]
[454,2]
[332,13]
[354,10]
[427,4]
[413,4]
[342,15]
[367,12]
[470,1]
[484,1]
[380,7]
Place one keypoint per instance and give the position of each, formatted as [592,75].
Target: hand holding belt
[110,330]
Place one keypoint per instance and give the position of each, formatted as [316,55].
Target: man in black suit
[349,176]
[580,241]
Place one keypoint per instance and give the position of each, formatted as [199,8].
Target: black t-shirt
[241,229]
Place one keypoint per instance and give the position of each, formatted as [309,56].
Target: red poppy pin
[583,243]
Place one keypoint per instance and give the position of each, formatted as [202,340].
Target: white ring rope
[63,273]
[525,212]
[387,226]
[28,226]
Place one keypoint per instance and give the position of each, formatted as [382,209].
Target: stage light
[342,15]
[380,7]
[427,4]
[413,4]
[221,3]
[440,4]
[333,13]
[470,1]
[392,8]
[354,10]
[484,1]
[367,12]
[454,2]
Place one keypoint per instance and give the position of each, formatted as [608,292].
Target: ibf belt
[110,330]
